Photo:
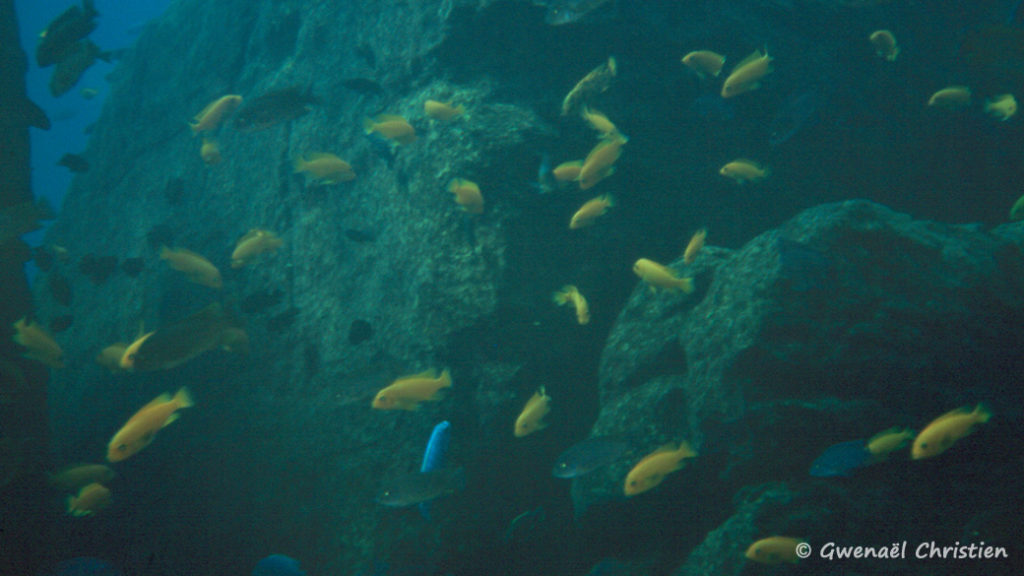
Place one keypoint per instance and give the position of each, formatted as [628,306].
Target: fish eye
[122,447]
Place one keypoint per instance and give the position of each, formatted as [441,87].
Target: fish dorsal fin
[253,233]
[961,411]
[429,374]
[170,419]
[161,399]
[382,118]
[755,55]
[314,156]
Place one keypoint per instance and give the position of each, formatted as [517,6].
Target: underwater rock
[60,288]
[97,268]
[359,331]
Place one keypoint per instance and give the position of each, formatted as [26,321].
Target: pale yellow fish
[742,171]
[887,441]
[392,127]
[90,500]
[569,294]
[774,550]
[38,343]
[568,171]
[885,44]
[590,211]
[324,168]
[214,112]
[658,276]
[110,357]
[196,268]
[704,62]
[210,152]
[254,243]
[443,111]
[531,419]
[694,246]
[1001,107]
[598,121]
[407,392]
[653,468]
[951,97]
[747,75]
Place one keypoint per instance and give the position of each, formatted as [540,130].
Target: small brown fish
[391,127]
[178,342]
[273,108]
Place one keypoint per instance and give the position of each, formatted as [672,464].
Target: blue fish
[84,566]
[842,459]
[434,456]
[278,565]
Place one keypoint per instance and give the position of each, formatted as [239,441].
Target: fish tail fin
[446,378]
[71,504]
[561,297]
[368,125]
[609,199]
[299,164]
[983,411]
[183,398]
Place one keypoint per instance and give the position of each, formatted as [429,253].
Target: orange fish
[38,343]
[945,430]
[467,195]
[141,428]
[653,468]
[407,392]
[747,75]
[531,419]
[214,112]
[90,499]
[695,246]
[569,294]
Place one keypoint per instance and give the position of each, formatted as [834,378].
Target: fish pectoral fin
[170,419]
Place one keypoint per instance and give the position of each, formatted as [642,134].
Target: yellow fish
[885,44]
[531,418]
[653,468]
[38,343]
[596,81]
[214,112]
[888,441]
[196,268]
[254,243]
[210,152]
[127,361]
[774,550]
[599,163]
[569,294]
[407,392]
[743,171]
[705,63]
[951,97]
[74,477]
[695,245]
[658,276]
[467,194]
[568,171]
[590,211]
[391,127]
[1001,107]
[90,500]
[141,428]
[443,111]
[747,75]
[110,357]
[598,121]
[945,430]
[325,168]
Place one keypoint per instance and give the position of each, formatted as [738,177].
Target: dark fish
[587,456]
[178,342]
[363,86]
[417,487]
[803,267]
[61,323]
[174,191]
[283,321]
[60,288]
[97,268]
[794,114]
[273,108]
[842,459]
[561,12]
[359,331]
[70,70]
[23,218]
[74,162]
[278,565]
[133,266]
[58,40]
[360,235]
[260,301]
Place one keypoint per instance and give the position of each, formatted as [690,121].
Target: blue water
[119,23]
